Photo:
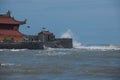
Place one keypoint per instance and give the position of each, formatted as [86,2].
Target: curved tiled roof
[10,33]
[7,19]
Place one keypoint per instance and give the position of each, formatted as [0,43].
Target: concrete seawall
[57,43]
[60,43]
[22,45]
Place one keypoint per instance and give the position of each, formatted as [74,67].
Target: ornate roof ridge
[8,15]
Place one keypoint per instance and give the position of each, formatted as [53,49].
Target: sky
[90,21]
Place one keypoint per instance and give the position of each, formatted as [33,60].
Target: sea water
[81,63]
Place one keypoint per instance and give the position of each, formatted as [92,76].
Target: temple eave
[10,33]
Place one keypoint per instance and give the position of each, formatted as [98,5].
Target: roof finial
[8,13]
[25,20]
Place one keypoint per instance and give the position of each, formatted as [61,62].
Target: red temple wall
[9,27]
[15,38]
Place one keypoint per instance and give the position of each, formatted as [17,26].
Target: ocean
[82,63]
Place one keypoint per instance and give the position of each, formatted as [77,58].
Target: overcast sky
[91,21]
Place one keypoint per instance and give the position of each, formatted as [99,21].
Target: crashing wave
[1,50]
[6,64]
[15,50]
[99,47]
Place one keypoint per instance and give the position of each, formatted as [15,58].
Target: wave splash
[102,48]
[78,45]
[13,50]
[69,34]
[7,64]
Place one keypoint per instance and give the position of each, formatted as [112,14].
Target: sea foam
[78,45]
[7,64]
[103,48]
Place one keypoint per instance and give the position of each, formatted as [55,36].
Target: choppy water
[85,63]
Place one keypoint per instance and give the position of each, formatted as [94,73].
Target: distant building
[46,36]
[31,38]
[9,28]
[49,40]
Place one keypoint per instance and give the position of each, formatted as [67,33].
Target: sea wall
[65,42]
[60,43]
[22,45]
[57,43]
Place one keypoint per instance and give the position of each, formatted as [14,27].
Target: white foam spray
[1,49]
[69,34]
[7,64]
[76,44]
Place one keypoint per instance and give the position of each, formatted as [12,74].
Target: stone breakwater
[22,45]
[58,43]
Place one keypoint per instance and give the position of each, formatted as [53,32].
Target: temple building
[9,28]
[12,38]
